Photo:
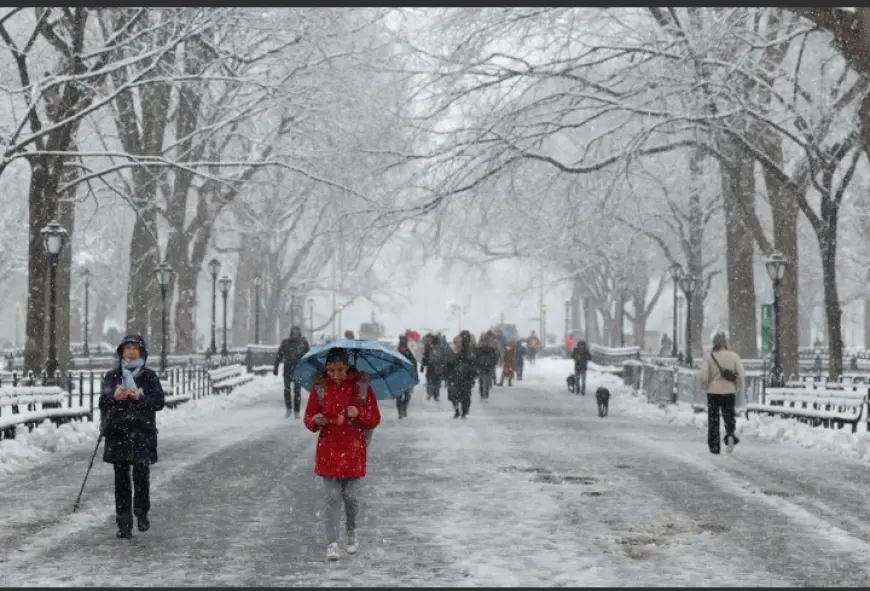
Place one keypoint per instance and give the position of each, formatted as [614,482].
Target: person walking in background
[487,358]
[581,358]
[291,351]
[509,362]
[335,413]
[533,344]
[463,371]
[521,359]
[348,334]
[722,376]
[436,354]
[404,398]
[130,397]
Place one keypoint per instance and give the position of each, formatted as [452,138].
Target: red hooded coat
[341,445]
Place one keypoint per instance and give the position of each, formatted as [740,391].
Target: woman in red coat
[341,407]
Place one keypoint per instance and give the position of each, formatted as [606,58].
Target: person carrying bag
[721,374]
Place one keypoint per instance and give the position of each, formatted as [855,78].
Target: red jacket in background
[341,445]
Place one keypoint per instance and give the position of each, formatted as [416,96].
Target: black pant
[292,394]
[462,403]
[132,497]
[402,401]
[716,403]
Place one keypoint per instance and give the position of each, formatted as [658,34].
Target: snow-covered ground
[532,489]
[756,427]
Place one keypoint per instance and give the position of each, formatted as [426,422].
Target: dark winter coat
[487,356]
[462,368]
[581,357]
[435,371]
[410,357]
[292,349]
[130,426]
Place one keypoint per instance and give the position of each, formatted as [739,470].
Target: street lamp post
[776,265]
[225,283]
[311,318]
[164,277]
[338,309]
[687,283]
[86,277]
[53,238]
[675,271]
[543,336]
[214,267]
[258,281]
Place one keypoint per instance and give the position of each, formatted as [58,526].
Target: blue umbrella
[390,373]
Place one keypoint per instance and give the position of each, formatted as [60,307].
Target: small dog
[570,380]
[602,397]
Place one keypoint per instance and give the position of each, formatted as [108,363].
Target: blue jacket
[130,426]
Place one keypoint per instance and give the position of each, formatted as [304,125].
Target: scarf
[130,370]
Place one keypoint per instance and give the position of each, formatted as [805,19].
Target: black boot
[143,523]
[125,526]
[455,411]
[510,382]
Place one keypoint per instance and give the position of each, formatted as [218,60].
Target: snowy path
[533,489]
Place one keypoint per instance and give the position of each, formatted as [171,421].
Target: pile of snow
[553,371]
[37,446]
[759,427]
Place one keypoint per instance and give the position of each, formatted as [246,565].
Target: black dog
[602,397]
[571,380]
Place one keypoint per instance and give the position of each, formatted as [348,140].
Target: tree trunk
[66,218]
[243,303]
[785,210]
[695,254]
[186,279]
[867,322]
[738,183]
[42,209]
[833,312]
[144,258]
[98,324]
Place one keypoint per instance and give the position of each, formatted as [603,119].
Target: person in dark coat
[462,372]
[487,359]
[436,354]
[130,397]
[581,357]
[403,399]
[292,349]
[521,359]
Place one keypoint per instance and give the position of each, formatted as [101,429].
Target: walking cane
[91,465]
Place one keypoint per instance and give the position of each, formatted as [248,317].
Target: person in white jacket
[722,376]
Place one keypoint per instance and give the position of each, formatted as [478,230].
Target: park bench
[170,398]
[262,370]
[31,405]
[225,379]
[828,406]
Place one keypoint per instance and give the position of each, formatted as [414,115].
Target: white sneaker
[287,413]
[351,545]
[332,552]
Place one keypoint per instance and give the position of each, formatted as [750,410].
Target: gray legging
[336,492]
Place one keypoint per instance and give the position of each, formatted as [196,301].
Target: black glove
[275,371]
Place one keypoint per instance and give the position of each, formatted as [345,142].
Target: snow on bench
[816,406]
[30,406]
[228,371]
[262,370]
[230,383]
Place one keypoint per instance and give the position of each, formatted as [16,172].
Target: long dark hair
[465,345]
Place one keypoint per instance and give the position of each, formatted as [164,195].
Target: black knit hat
[337,355]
